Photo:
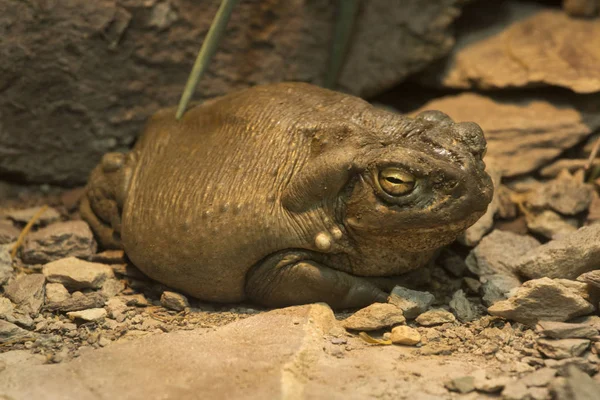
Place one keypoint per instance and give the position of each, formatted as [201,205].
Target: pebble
[77,301]
[24,216]
[563,330]
[109,257]
[27,292]
[559,349]
[463,384]
[405,335]
[435,317]
[92,314]
[465,311]
[174,301]
[373,317]
[411,302]
[60,240]
[542,299]
[77,274]
[551,225]
[567,257]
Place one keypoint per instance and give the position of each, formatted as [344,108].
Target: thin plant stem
[347,10]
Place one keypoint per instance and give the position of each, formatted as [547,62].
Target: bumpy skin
[273,194]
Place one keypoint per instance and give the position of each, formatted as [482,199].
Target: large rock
[61,240]
[567,257]
[79,78]
[522,135]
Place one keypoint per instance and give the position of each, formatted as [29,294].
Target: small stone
[24,216]
[405,335]
[462,307]
[116,306]
[109,257]
[567,257]
[174,301]
[76,302]
[551,225]
[112,287]
[60,240]
[10,332]
[92,314]
[566,194]
[435,317]
[563,330]
[542,299]
[591,278]
[27,292]
[77,274]
[562,348]
[411,302]
[138,300]
[498,287]
[8,232]
[464,384]
[373,317]
[490,256]
[541,377]
[56,292]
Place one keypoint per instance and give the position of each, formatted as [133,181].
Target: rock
[493,385]
[462,307]
[373,317]
[473,285]
[405,335]
[464,384]
[77,274]
[83,117]
[109,257]
[541,377]
[562,330]
[567,257]
[453,263]
[562,348]
[562,366]
[10,314]
[22,217]
[543,49]
[498,287]
[6,269]
[76,302]
[10,332]
[515,390]
[27,292]
[577,386]
[138,300]
[569,164]
[567,194]
[521,136]
[551,225]
[435,317]
[91,314]
[174,301]
[112,287]
[411,302]
[591,278]
[55,293]
[116,307]
[8,232]
[490,255]
[477,231]
[60,240]
[542,299]
[581,8]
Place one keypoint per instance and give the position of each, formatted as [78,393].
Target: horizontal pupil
[394,180]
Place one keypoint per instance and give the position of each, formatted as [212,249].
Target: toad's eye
[396,182]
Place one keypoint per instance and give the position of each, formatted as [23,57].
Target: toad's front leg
[294,277]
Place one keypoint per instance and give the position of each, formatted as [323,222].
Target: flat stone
[541,377]
[76,302]
[563,330]
[27,292]
[411,302]
[56,292]
[24,216]
[435,317]
[567,194]
[60,240]
[464,310]
[91,314]
[6,269]
[174,301]
[562,348]
[77,274]
[521,136]
[591,278]
[373,317]
[464,384]
[8,232]
[577,386]
[405,335]
[551,225]
[490,255]
[498,287]
[567,257]
[542,299]
[10,332]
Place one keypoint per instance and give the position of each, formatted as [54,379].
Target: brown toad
[288,194]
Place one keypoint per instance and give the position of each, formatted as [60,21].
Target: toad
[287,194]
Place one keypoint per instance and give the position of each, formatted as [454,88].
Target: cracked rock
[174,301]
[542,299]
[373,317]
[60,240]
[559,349]
[77,274]
[567,257]
[435,317]
[27,292]
[411,302]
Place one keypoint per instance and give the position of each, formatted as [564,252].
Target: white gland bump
[323,241]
